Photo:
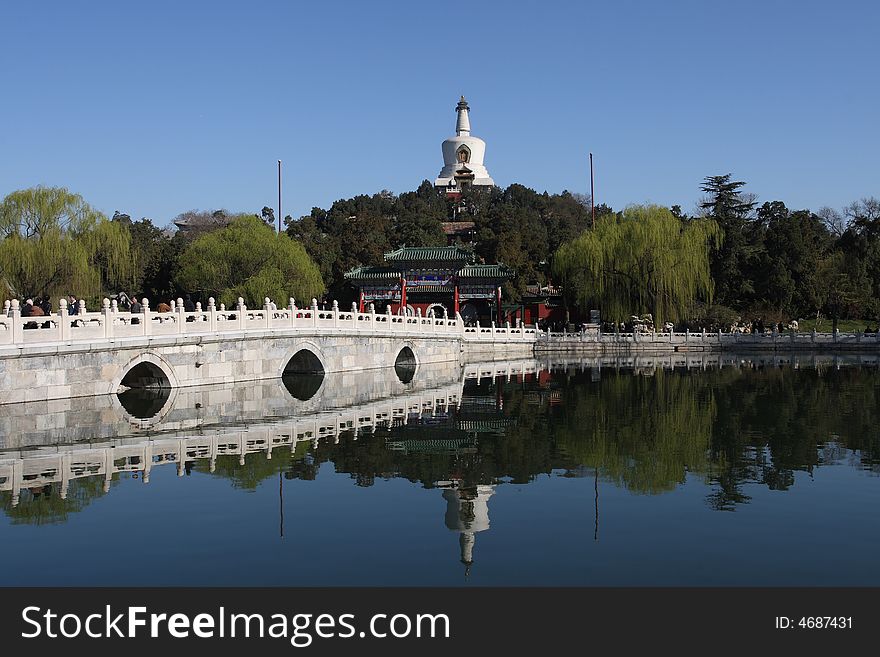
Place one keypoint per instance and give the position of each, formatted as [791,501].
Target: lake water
[751,473]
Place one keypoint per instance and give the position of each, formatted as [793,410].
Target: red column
[362,302]
[498,303]
[455,304]
[403,296]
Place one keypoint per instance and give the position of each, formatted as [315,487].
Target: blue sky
[161,107]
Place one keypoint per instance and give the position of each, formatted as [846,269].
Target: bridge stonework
[79,370]
[98,353]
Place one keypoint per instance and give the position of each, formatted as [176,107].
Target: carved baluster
[63,318]
[145,308]
[107,318]
[212,314]
[17,325]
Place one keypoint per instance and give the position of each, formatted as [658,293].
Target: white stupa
[463,156]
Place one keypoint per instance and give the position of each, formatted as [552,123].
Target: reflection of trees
[44,505]
[732,427]
[644,432]
[772,422]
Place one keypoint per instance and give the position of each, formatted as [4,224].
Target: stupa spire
[463,125]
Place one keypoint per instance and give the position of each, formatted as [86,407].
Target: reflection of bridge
[56,442]
[41,461]
[94,353]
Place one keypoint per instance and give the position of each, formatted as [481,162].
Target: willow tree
[54,243]
[249,259]
[644,260]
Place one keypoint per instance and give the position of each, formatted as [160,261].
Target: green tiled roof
[423,253]
[373,273]
[365,273]
[486,271]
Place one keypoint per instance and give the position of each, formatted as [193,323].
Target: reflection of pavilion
[467,512]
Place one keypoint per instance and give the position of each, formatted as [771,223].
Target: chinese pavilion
[433,278]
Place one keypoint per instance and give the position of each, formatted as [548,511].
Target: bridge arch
[406,363]
[146,370]
[304,357]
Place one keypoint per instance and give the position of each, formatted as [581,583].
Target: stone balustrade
[717,338]
[110,323]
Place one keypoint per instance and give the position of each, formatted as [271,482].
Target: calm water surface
[754,473]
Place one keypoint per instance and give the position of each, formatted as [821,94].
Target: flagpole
[279,196]
[592,194]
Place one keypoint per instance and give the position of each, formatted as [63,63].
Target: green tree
[54,243]
[730,208]
[156,256]
[249,259]
[644,260]
[786,268]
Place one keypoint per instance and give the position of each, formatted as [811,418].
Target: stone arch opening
[438,309]
[144,390]
[303,361]
[405,365]
[303,375]
[146,375]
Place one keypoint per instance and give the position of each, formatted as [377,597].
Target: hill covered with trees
[733,257]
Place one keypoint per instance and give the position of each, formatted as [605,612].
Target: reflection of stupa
[467,512]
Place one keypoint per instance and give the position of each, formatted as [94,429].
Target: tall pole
[279,196]
[592,193]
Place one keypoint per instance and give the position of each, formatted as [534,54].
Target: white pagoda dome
[463,156]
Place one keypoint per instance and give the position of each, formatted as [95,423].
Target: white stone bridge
[95,353]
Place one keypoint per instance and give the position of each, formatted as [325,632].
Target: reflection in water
[647,430]
[467,512]
[405,365]
[303,386]
[144,403]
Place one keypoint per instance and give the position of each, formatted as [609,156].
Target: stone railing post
[292,307]
[388,318]
[687,335]
[63,319]
[17,326]
[459,323]
[335,313]
[836,334]
[145,309]
[107,318]
[813,336]
[418,319]
[703,336]
[177,309]
[212,314]
[372,310]
[314,312]
[267,313]
[241,309]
